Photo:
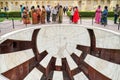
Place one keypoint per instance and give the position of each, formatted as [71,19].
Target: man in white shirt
[54,13]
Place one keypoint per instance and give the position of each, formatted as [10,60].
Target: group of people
[42,15]
[101,16]
[74,15]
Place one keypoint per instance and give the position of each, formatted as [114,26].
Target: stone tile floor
[7,26]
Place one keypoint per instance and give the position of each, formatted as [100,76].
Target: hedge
[10,14]
[83,14]
[91,14]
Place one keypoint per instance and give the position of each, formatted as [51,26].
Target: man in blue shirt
[48,10]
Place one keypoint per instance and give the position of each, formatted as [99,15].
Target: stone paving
[7,26]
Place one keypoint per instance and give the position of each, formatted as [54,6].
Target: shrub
[83,14]
[90,14]
[87,14]
[110,14]
[14,14]
[3,14]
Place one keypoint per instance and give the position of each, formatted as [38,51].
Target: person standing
[60,14]
[76,15]
[98,15]
[34,15]
[26,18]
[38,12]
[43,14]
[116,13]
[54,14]
[64,10]
[21,11]
[48,10]
[104,16]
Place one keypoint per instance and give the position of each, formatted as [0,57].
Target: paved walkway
[7,26]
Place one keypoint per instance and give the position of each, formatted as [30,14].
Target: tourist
[60,14]
[72,13]
[98,15]
[43,14]
[69,14]
[104,16]
[75,15]
[38,13]
[26,18]
[116,13]
[64,10]
[54,14]
[48,10]
[21,11]
[34,15]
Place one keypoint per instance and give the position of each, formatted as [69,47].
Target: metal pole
[26,24]
[92,19]
[80,19]
[104,24]
[13,23]
[119,24]
[6,15]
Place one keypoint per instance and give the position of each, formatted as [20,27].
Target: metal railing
[119,24]
[92,19]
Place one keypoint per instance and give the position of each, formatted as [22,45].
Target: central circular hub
[59,41]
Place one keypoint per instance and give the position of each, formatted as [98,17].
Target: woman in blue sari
[104,16]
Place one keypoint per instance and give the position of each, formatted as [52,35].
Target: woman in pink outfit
[98,15]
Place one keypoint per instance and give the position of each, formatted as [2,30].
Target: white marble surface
[106,39]
[108,69]
[58,62]
[35,74]
[46,61]
[70,61]
[22,35]
[60,41]
[11,60]
[58,75]
[3,77]
[56,39]
[78,52]
[80,76]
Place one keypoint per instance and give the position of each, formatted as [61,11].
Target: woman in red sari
[39,13]
[34,15]
[75,15]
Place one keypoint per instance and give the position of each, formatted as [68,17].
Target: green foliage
[3,14]
[87,14]
[110,14]
[10,14]
[14,14]
[2,19]
[83,14]
[90,14]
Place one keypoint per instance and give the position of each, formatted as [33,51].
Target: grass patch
[14,18]
[111,18]
[2,19]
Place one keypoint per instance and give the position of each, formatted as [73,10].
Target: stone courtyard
[52,51]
